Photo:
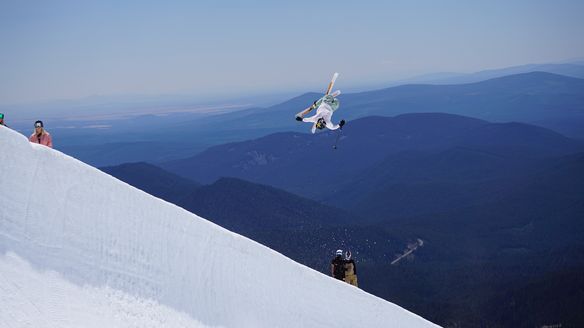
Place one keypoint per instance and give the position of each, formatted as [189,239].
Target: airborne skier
[325,107]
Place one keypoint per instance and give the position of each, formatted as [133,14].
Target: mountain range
[309,166]
[544,99]
[572,69]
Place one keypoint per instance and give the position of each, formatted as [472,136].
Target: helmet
[320,124]
[348,255]
[339,252]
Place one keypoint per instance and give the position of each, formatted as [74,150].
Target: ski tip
[335,76]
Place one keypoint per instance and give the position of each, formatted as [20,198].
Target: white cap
[339,252]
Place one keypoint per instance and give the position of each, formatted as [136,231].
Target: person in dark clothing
[338,266]
[2,120]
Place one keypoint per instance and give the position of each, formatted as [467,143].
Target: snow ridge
[72,237]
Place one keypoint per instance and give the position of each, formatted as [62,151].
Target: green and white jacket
[325,108]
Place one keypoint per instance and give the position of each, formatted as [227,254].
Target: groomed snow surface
[79,248]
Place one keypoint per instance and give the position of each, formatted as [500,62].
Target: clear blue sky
[72,49]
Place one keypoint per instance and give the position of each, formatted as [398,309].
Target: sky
[67,49]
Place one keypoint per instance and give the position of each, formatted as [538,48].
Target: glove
[341,123]
[298,118]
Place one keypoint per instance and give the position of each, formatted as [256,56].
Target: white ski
[328,90]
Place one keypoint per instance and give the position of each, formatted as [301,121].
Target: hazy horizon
[64,50]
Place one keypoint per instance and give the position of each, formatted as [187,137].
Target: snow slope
[79,248]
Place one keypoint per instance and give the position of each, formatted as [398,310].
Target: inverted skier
[325,107]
